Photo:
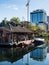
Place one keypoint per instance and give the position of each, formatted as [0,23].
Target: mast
[27,5]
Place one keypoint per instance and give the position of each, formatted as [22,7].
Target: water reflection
[39,53]
[48,49]
[10,54]
[22,58]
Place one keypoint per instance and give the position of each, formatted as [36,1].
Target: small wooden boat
[38,41]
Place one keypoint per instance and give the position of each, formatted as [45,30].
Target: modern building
[48,19]
[39,53]
[38,15]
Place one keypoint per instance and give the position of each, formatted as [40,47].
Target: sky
[17,8]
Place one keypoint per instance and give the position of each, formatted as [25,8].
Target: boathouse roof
[20,29]
[17,29]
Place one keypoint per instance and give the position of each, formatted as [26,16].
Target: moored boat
[38,41]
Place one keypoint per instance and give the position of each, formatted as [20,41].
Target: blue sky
[17,8]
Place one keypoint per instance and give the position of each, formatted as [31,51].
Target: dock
[24,44]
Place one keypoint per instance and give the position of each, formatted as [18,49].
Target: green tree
[16,19]
[4,22]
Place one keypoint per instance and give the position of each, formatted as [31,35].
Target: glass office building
[39,53]
[48,19]
[38,16]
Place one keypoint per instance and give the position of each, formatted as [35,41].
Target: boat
[38,41]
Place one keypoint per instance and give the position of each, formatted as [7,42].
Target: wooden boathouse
[10,36]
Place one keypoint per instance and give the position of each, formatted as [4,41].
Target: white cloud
[12,6]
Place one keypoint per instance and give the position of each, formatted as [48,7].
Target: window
[35,18]
[41,16]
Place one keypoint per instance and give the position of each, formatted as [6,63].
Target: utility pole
[27,5]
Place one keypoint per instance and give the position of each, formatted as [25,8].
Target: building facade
[39,53]
[15,34]
[48,19]
[38,16]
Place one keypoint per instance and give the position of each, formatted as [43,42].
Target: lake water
[38,56]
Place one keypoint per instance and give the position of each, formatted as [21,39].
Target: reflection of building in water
[39,53]
[13,54]
[10,54]
[48,49]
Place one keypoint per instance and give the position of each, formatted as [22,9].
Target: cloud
[12,6]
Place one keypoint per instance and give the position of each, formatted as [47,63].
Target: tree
[15,19]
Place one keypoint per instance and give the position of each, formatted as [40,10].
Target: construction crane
[27,5]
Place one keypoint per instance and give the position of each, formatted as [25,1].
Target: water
[38,56]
